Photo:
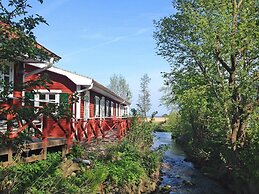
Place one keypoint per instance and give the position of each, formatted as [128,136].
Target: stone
[83,161]
[177,176]
[68,167]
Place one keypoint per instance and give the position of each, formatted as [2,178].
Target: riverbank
[128,166]
[179,176]
[106,169]
[215,168]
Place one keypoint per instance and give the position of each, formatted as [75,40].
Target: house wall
[82,108]
[92,96]
[18,76]
[92,101]
[17,82]
[59,82]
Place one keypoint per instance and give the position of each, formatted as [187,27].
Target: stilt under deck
[32,151]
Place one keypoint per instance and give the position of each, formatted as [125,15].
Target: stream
[179,176]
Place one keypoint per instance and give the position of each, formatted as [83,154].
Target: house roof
[6,29]
[80,80]
[75,78]
[107,92]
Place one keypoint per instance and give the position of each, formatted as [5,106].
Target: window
[121,110]
[112,108]
[97,106]
[86,104]
[117,109]
[107,108]
[6,76]
[102,108]
[126,111]
[41,99]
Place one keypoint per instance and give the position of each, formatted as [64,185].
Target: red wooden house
[97,113]
[95,102]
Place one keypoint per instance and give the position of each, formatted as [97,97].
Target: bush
[123,164]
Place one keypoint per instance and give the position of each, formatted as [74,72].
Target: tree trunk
[235,127]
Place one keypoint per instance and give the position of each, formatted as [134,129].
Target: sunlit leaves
[16,31]
[212,47]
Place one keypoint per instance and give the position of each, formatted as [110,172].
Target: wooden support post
[119,130]
[10,154]
[64,151]
[68,133]
[45,137]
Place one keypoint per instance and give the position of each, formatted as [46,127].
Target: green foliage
[86,181]
[140,134]
[119,85]
[125,163]
[125,171]
[212,49]
[170,125]
[16,22]
[144,104]
[27,178]
[76,151]
[45,177]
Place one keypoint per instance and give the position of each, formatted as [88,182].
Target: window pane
[6,70]
[42,97]
[41,103]
[52,97]
[97,106]
[6,79]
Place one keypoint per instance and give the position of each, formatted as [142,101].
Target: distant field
[158,119]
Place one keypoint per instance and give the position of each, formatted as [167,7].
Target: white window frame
[107,105]
[117,109]
[102,108]
[126,110]
[97,106]
[121,110]
[47,93]
[112,108]
[87,105]
[10,75]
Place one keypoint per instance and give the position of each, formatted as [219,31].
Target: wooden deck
[32,151]
[79,131]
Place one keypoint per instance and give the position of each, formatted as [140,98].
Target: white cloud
[105,40]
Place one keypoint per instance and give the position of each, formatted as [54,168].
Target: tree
[166,99]
[214,45]
[18,44]
[144,104]
[119,85]
[16,31]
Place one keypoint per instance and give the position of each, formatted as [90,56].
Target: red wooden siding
[92,95]
[60,82]
[18,80]
[53,130]
[82,108]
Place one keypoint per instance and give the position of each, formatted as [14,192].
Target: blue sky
[99,38]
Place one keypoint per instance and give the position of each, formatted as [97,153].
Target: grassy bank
[126,167]
[210,152]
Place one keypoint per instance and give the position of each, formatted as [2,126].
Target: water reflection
[178,175]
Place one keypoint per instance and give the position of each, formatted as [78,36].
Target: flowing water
[180,176]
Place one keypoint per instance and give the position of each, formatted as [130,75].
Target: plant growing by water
[212,49]
[125,163]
